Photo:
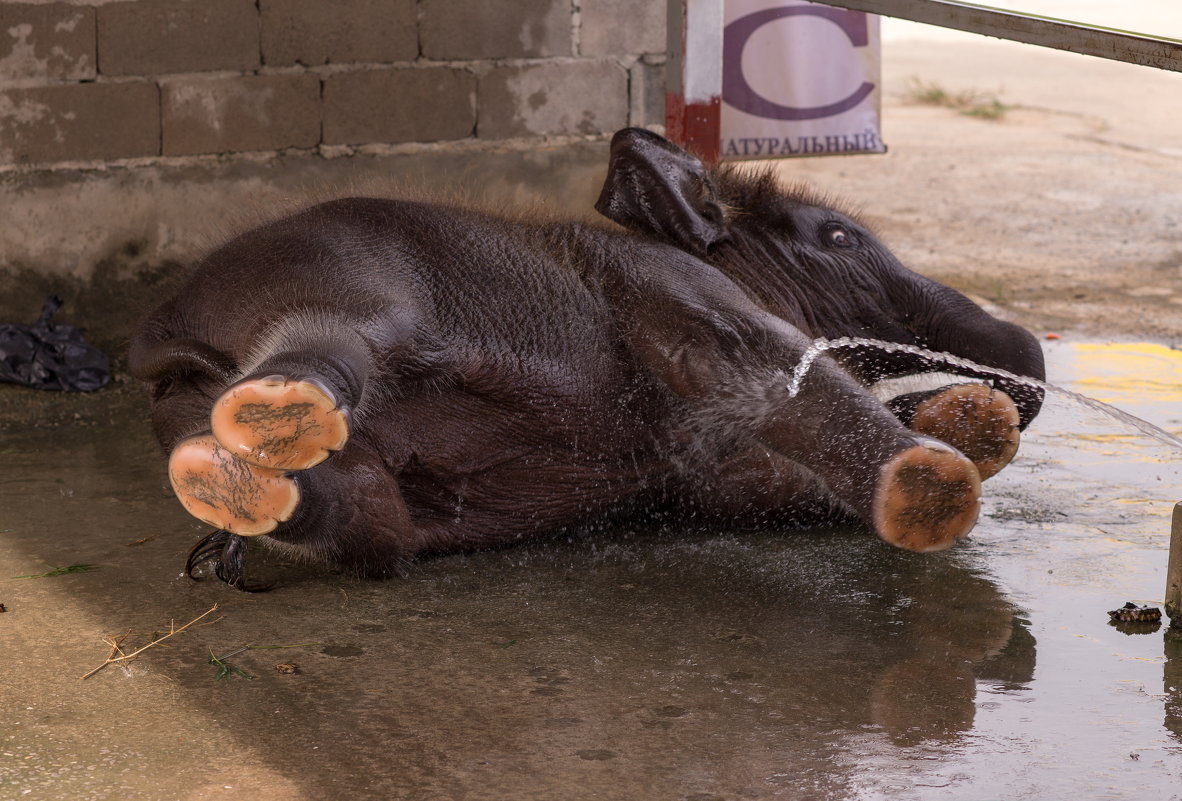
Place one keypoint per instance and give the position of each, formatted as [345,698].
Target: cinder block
[622,27]
[480,29]
[153,37]
[314,32]
[80,122]
[587,97]
[253,112]
[54,41]
[646,93]
[399,105]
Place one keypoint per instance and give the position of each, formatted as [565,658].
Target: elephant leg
[976,419]
[757,487]
[293,408]
[301,397]
[289,415]
[348,512]
[702,336]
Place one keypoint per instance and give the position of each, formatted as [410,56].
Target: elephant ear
[655,187]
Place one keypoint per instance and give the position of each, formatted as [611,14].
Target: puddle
[650,664]
[1080,522]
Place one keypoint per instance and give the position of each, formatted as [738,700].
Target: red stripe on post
[693,102]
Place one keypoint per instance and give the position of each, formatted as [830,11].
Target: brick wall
[102,81]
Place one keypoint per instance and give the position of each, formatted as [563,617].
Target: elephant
[369,380]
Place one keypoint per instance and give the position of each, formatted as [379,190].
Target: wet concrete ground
[655,664]
[669,664]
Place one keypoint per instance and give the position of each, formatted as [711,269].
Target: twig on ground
[116,646]
[116,643]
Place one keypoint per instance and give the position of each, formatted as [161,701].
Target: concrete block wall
[137,134]
[111,80]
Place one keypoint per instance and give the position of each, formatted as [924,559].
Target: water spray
[1173,594]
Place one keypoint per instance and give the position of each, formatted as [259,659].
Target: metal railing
[1092,40]
[1134,48]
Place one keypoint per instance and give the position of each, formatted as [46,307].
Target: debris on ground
[53,357]
[1135,613]
[1135,618]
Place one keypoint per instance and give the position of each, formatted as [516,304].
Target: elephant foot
[279,423]
[979,421]
[927,498]
[228,493]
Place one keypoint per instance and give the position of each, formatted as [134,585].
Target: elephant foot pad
[279,423]
[228,493]
[980,422]
[927,498]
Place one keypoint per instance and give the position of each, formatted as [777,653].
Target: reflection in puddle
[1077,525]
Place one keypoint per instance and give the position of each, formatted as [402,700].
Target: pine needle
[60,571]
[225,669]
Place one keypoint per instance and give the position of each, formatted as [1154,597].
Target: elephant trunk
[945,320]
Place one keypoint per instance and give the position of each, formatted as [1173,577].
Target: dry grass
[970,102]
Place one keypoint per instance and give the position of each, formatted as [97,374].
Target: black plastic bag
[47,356]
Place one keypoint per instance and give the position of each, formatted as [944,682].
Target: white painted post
[693,97]
[1174,570]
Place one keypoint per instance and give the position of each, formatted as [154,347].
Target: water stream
[821,345]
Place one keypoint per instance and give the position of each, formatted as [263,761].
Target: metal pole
[1174,570]
[1093,40]
[693,97]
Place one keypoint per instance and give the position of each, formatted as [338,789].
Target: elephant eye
[835,235]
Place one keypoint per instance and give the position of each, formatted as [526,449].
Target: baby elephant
[369,379]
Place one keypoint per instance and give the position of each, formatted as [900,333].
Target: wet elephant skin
[509,377]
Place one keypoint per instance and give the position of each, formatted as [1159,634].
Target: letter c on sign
[738,93]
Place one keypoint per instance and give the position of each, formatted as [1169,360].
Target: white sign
[799,79]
